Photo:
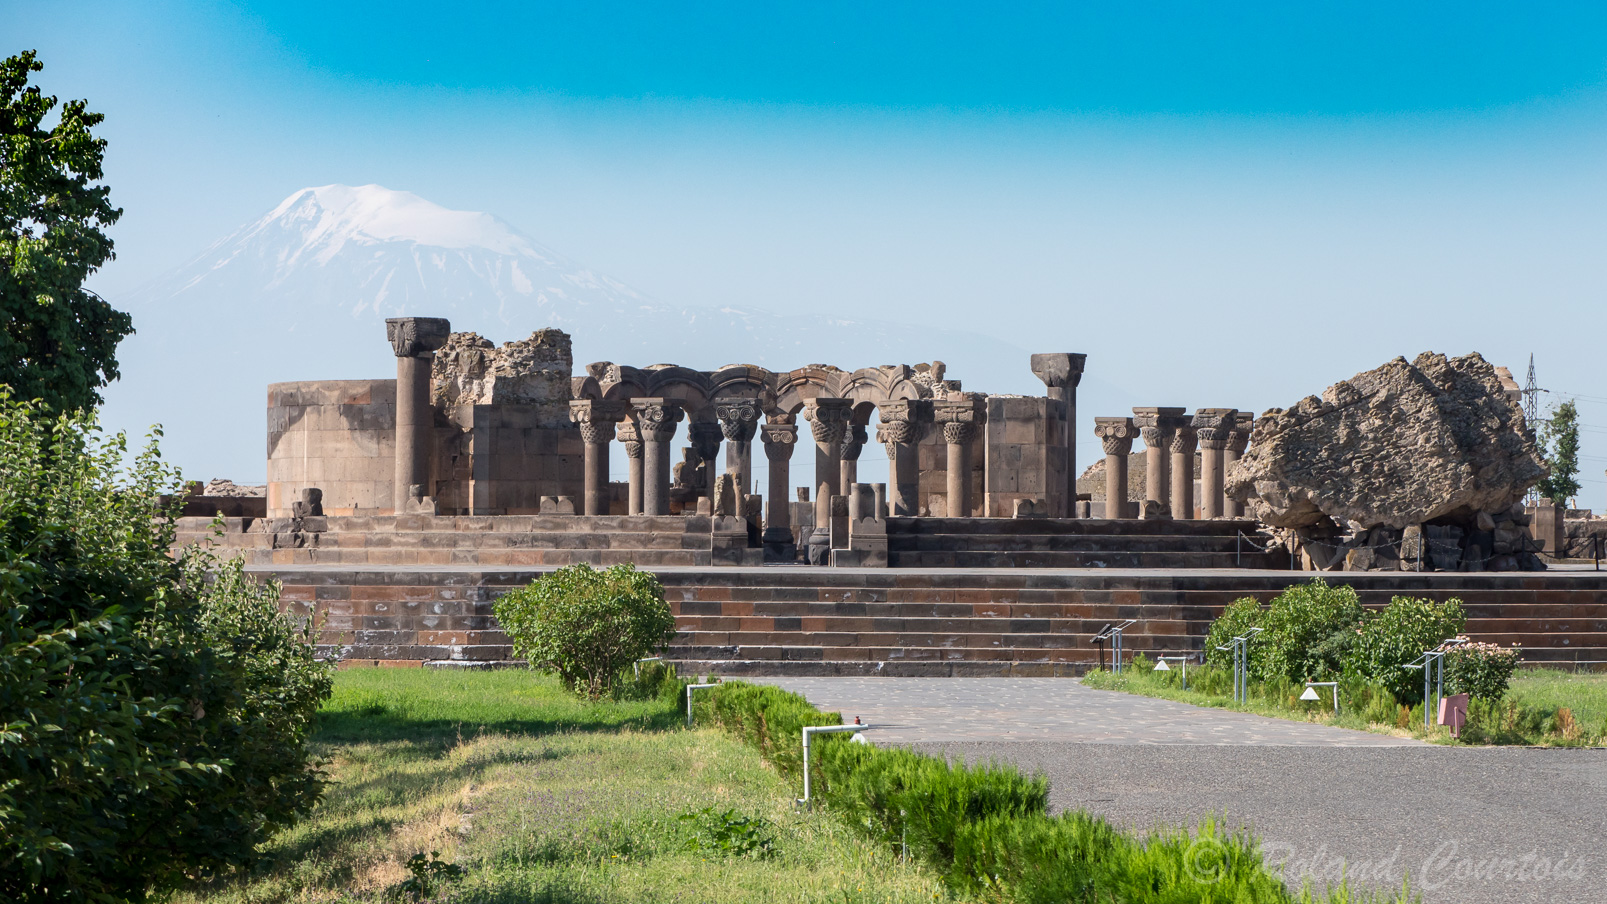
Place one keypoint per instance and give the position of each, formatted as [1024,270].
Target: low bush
[1393,637]
[586,625]
[1483,671]
[1236,620]
[1295,626]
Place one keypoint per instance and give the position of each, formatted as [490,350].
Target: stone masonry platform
[937,622]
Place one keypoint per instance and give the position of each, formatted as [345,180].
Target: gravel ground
[1467,825]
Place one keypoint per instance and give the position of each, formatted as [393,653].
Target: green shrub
[1035,859]
[1295,626]
[769,719]
[1480,670]
[1237,619]
[153,712]
[1391,638]
[586,625]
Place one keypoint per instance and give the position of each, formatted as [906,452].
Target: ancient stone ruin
[1414,466]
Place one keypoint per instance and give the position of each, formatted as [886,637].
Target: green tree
[154,711]
[59,341]
[1559,437]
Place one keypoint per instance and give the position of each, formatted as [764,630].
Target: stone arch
[743,381]
[689,387]
[796,387]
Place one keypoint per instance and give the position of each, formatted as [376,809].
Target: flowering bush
[1481,670]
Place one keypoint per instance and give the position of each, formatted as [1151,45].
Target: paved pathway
[1467,825]
[911,710]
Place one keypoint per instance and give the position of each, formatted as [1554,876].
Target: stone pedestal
[1214,427]
[779,543]
[961,419]
[739,419]
[656,419]
[631,439]
[598,422]
[1184,441]
[867,530]
[1116,436]
[1243,421]
[414,340]
[1157,425]
[828,422]
[1060,373]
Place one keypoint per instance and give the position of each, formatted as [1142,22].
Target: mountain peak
[333,214]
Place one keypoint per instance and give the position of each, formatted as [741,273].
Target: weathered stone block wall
[501,459]
[337,435]
[1023,458]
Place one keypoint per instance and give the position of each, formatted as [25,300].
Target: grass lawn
[542,798]
[1538,692]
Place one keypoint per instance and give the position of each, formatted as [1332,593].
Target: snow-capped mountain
[302,294]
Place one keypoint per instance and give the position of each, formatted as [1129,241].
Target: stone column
[854,439]
[598,421]
[656,419]
[1156,426]
[1242,423]
[1214,426]
[414,340]
[739,418]
[1182,466]
[705,439]
[828,421]
[779,441]
[961,419]
[1061,372]
[1116,435]
[902,424]
[631,438]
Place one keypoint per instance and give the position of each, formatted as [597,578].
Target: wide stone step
[1066,543]
[976,527]
[1108,559]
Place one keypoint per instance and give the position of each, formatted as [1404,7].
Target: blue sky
[1223,204]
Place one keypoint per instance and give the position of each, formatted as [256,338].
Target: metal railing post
[689,689]
[818,729]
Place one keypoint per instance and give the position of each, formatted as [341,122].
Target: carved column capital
[828,419]
[705,439]
[1183,439]
[779,440]
[1116,434]
[656,418]
[631,438]
[415,337]
[1243,422]
[597,418]
[854,439]
[960,417]
[1057,369]
[1214,426]
[739,418]
[959,432]
[1156,425]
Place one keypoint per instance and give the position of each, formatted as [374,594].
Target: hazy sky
[1223,205]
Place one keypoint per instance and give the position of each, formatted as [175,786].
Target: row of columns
[646,428]
[1170,440]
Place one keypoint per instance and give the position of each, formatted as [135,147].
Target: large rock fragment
[1407,443]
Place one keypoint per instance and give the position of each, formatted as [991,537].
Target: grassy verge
[1543,707]
[542,798]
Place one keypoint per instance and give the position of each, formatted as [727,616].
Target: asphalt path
[1464,825]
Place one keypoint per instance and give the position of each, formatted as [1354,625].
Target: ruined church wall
[501,459]
[336,435]
[1023,456]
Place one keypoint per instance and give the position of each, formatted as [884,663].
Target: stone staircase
[1074,543]
[649,541]
[798,620]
